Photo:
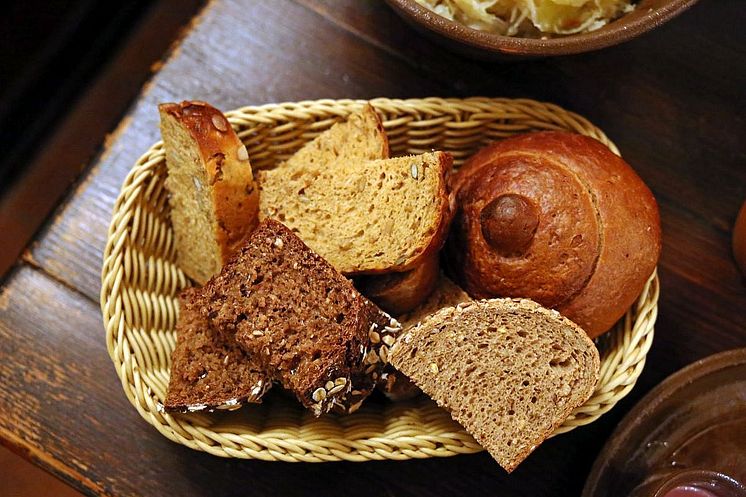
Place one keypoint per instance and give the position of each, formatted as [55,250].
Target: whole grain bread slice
[213,199]
[208,370]
[364,217]
[509,371]
[300,320]
[359,137]
[393,383]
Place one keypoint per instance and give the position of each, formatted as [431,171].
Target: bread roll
[398,293]
[558,218]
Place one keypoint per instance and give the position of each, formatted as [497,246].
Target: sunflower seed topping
[318,395]
[219,123]
[374,337]
[241,153]
[336,389]
[340,381]
[434,367]
[384,353]
[388,340]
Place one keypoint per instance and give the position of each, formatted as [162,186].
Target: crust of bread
[234,193]
[626,219]
[398,293]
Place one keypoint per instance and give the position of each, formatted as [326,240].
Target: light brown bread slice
[359,137]
[395,384]
[365,217]
[214,202]
[509,371]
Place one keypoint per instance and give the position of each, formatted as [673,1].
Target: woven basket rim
[626,346]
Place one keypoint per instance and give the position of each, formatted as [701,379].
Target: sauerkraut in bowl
[531,18]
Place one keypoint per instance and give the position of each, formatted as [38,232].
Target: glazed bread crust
[398,293]
[559,218]
[214,201]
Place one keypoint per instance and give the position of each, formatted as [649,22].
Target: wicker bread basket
[140,283]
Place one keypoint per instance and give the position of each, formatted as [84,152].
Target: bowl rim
[611,34]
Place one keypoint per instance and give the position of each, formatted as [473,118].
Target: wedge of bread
[213,198]
[208,370]
[397,293]
[395,384]
[359,137]
[509,371]
[364,217]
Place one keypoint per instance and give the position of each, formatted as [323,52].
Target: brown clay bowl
[704,402]
[482,45]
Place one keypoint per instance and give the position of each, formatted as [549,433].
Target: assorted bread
[213,199]
[553,217]
[559,218]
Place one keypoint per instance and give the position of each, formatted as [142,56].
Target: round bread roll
[398,293]
[558,218]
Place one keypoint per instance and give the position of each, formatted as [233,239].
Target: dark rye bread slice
[364,217]
[509,371]
[209,371]
[302,322]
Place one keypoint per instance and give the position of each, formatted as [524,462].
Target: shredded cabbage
[530,18]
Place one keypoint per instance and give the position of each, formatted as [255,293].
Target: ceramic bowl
[648,14]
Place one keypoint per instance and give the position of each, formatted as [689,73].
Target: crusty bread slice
[301,322]
[213,199]
[364,217]
[395,384]
[360,137]
[510,371]
[208,370]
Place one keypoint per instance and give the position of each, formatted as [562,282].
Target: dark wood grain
[673,101]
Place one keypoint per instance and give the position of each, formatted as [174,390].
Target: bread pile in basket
[273,250]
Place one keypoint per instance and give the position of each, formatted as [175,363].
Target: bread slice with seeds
[364,217]
[208,371]
[394,384]
[509,371]
[359,137]
[300,320]
[213,199]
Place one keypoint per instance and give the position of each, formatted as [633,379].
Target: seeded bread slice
[395,384]
[365,217]
[360,137]
[510,371]
[213,199]
[303,323]
[209,372]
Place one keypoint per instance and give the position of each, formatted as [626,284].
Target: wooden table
[674,101]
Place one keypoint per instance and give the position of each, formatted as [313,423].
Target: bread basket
[140,284]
